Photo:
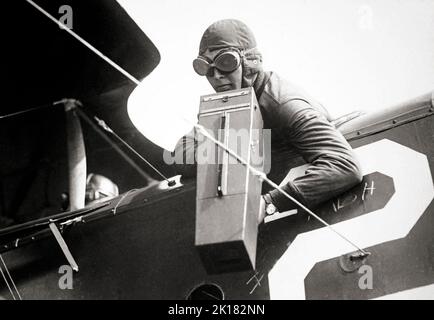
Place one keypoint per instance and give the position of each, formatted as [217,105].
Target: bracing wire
[10,278]
[260,174]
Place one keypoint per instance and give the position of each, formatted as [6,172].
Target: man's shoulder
[280,93]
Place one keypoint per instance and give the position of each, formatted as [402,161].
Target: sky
[348,54]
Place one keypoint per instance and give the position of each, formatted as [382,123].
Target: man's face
[223,81]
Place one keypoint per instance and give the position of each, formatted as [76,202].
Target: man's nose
[216,73]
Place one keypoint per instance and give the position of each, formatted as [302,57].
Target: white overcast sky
[348,54]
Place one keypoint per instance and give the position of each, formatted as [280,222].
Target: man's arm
[333,166]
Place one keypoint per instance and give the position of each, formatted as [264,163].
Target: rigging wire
[263,177]
[114,65]
[7,283]
[11,279]
[101,128]
[105,127]
[260,174]
[10,115]
[87,44]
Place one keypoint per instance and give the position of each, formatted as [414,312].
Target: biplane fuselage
[141,244]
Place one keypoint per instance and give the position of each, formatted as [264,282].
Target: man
[228,57]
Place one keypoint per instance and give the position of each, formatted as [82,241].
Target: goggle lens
[225,62]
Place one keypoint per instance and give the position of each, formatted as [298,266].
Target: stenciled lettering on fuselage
[392,217]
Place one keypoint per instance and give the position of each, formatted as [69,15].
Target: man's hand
[261,214]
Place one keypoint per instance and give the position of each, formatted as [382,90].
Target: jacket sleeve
[333,167]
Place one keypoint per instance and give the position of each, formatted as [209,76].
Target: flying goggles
[225,62]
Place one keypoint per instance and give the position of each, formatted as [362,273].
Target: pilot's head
[99,188]
[228,56]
